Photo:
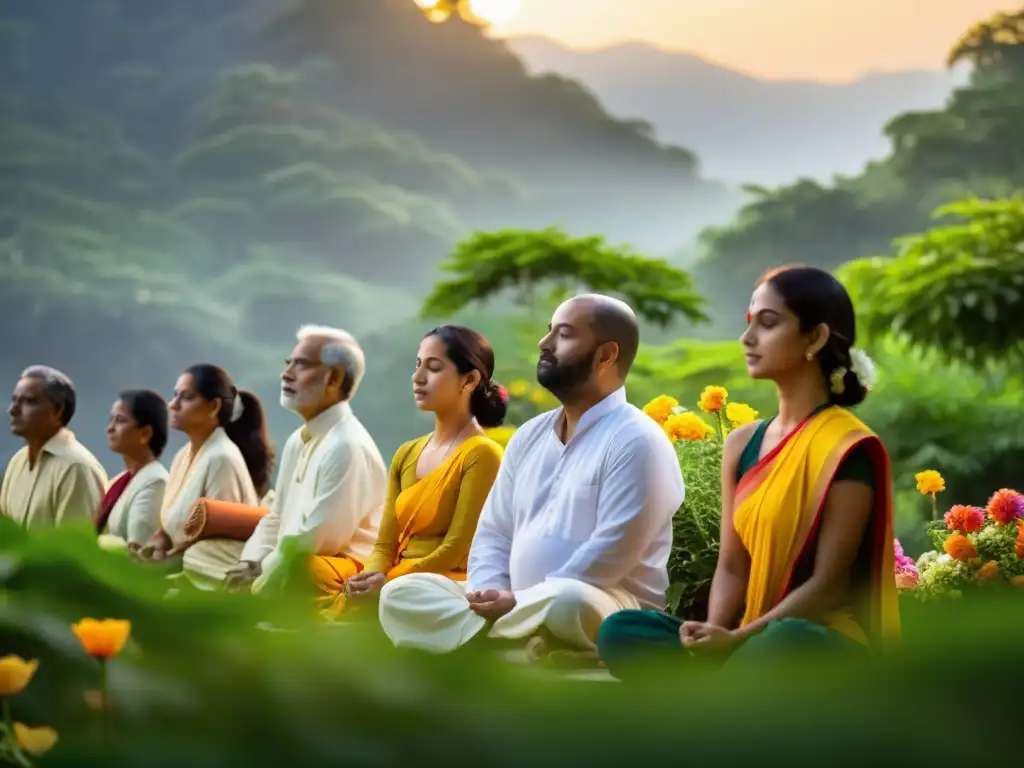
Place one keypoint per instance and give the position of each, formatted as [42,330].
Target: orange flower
[959,547]
[988,571]
[661,407]
[15,674]
[965,519]
[1017,581]
[686,426]
[712,399]
[35,741]
[102,638]
[1005,506]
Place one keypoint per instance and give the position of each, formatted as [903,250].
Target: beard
[562,379]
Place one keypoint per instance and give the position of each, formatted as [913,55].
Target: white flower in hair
[863,368]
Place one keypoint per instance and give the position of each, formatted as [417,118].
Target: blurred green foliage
[200,685]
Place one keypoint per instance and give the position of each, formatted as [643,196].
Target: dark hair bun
[853,392]
[489,404]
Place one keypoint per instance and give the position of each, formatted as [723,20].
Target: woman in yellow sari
[439,482]
[806,559]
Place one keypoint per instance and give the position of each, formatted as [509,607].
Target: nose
[747,337]
[12,409]
[544,345]
[286,375]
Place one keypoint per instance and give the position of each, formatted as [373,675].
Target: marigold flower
[518,388]
[1005,506]
[661,407]
[686,426]
[1017,581]
[930,482]
[740,414]
[35,741]
[102,638]
[15,674]
[959,547]
[988,571]
[965,519]
[538,397]
[712,399]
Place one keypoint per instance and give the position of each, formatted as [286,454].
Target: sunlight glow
[427,4]
[495,12]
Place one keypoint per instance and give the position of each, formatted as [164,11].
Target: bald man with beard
[578,524]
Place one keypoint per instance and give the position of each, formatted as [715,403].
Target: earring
[810,356]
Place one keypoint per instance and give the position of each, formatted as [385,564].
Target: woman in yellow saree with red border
[806,557]
[439,482]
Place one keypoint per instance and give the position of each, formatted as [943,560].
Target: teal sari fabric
[635,643]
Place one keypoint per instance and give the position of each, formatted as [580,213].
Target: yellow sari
[417,506]
[777,511]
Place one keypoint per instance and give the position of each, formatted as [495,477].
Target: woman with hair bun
[439,482]
[228,456]
[806,560]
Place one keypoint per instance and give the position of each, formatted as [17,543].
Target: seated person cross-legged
[578,523]
[440,481]
[330,487]
[806,561]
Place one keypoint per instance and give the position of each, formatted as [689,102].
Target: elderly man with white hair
[54,479]
[331,484]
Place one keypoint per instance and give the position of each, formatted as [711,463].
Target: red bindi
[749,317]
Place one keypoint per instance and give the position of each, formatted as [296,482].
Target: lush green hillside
[183,181]
[975,145]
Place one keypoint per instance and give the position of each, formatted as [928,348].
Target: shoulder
[738,438]
[633,431]
[533,428]
[152,474]
[484,450]
[79,459]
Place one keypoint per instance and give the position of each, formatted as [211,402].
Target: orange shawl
[777,512]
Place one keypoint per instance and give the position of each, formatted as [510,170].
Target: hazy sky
[821,39]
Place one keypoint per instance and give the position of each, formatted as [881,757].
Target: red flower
[1005,506]
[965,519]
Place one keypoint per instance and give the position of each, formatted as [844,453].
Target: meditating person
[54,479]
[228,455]
[439,482]
[129,514]
[331,483]
[578,523]
[806,558]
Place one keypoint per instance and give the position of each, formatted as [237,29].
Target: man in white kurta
[578,524]
[332,480]
[54,480]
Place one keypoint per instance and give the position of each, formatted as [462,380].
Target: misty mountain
[746,129]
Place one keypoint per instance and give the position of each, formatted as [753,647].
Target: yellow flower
[518,388]
[661,407]
[35,741]
[712,399]
[930,482]
[686,426]
[740,414]
[15,674]
[538,396]
[102,638]
[500,435]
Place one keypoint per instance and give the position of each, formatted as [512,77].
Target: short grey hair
[57,386]
[341,350]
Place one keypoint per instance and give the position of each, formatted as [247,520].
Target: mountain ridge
[745,129]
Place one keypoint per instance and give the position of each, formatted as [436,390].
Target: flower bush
[698,445]
[975,547]
[17,740]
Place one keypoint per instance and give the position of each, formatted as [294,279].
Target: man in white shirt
[54,480]
[578,524]
[332,479]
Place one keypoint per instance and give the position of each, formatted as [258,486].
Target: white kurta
[217,471]
[136,514]
[577,531]
[66,485]
[330,490]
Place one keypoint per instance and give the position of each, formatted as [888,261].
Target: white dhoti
[206,562]
[430,612]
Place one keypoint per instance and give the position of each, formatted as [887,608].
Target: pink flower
[902,561]
[908,578]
